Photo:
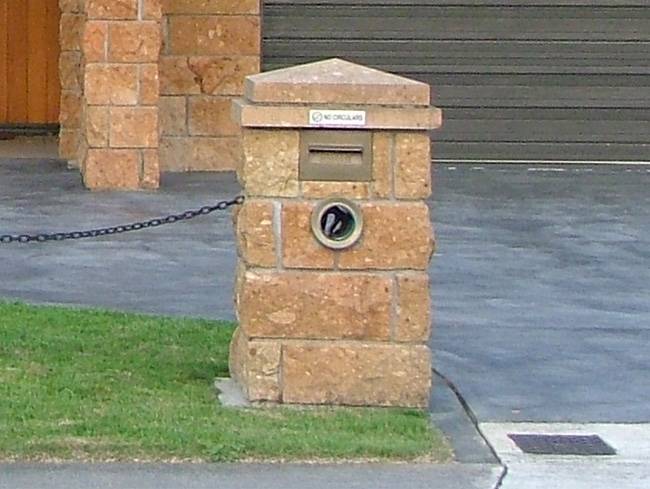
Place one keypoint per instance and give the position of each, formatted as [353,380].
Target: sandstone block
[68,6]
[70,112]
[396,236]
[219,75]
[176,77]
[270,164]
[106,169]
[97,126]
[299,247]
[199,153]
[152,9]
[149,84]
[70,71]
[312,305]
[255,234]
[173,116]
[112,9]
[134,127]
[111,84]
[210,116]
[68,144]
[256,366]
[71,29]
[95,41]
[356,374]
[412,165]
[413,308]
[382,165]
[229,7]
[210,35]
[134,42]
[150,178]
[322,190]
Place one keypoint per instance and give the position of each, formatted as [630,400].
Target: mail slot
[337,156]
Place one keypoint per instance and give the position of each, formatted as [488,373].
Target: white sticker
[337,118]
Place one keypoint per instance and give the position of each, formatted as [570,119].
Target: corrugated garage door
[521,79]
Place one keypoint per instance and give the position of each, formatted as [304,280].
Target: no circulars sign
[337,118]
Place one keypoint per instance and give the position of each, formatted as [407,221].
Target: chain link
[126,228]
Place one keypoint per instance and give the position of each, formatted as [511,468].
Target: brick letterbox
[334,238]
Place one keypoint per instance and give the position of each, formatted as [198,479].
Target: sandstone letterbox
[334,238]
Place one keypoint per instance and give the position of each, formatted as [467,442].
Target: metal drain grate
[586,445]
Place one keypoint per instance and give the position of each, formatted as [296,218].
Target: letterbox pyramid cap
[335,81]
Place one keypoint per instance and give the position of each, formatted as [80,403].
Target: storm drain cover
[562,444]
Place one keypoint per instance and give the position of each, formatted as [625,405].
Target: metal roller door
[521,80]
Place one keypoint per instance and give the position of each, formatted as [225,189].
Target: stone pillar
[71,76]
[121,48]
[345,324]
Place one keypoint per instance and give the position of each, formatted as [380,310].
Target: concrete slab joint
[147,85]
[330,324]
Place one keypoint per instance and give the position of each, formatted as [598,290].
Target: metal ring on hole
[337,223]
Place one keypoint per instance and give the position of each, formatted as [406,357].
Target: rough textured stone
[106,169]
[356,374]
[270,164]
[152,9]
[210,116]
[70,112]
[313,305]
[299,247]
[382,165]
[134,127]
[173,116]
[395,236]
[211,35]
[149,84]
[97,126]
[111,84]
[133,42]
[68,6]
[70,70]
[321,190]
[256,366]
[68,144]
[230,7]
[255,234]
[150,178]
[223,75]
[176,77]
[71,29]
[413,308]
[335,81]
[412,165]
[95,41]
[112,9]
[199,153]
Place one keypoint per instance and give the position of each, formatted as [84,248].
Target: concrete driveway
[541,280]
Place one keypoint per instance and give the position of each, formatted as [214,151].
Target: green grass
[95,385]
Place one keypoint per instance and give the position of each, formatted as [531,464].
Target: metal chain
[109,231]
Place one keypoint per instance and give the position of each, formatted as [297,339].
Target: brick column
[121,49]
[319,325]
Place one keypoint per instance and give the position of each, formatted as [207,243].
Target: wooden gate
[29,52]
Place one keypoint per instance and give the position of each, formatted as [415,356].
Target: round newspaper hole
[337,223]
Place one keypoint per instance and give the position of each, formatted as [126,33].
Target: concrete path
[628,469]
[245,476]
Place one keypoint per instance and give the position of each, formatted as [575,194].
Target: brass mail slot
[338,156]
